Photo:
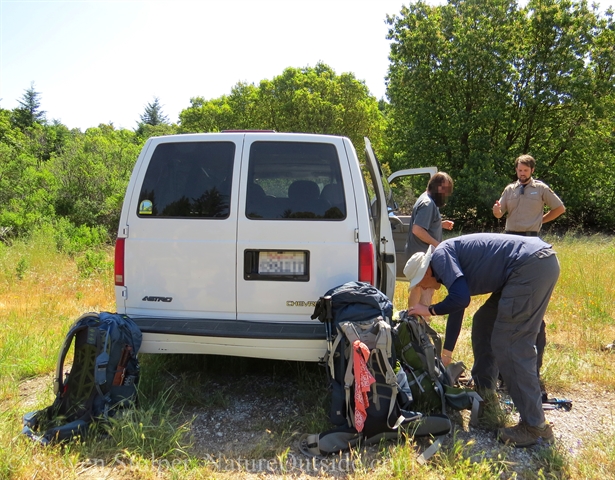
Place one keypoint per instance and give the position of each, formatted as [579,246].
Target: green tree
[26,191]
[28,113]
[154,122]
[309,100]
[475,83]
[92,173]
[153,114]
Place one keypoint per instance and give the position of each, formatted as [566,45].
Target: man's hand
[418,309]
[497,209]
[447,224]
[447,357]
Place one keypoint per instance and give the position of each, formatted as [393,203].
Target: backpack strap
[100,371]
[331,354]
[384,346]
[428,348]
[429,452]
[349,331]
[475,399]
[440,389]
[58,381]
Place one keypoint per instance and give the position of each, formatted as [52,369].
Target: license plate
[281,263]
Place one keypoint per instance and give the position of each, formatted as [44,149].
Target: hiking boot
[524,435]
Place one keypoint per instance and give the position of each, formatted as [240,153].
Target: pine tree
[29,113]
[153,114]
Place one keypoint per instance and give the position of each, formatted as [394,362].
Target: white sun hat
[416,266]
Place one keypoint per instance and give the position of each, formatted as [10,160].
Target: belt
[523,234]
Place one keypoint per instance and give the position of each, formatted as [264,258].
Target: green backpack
[418,347]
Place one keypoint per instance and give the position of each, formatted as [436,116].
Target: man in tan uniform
[524,202]
[525,199]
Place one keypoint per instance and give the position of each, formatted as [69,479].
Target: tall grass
[580,318]
[43,291]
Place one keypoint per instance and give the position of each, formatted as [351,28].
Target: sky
[104,61]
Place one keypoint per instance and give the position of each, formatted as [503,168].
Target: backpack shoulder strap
[384,343]
[426,345]
[331,355]
[348,330]
[80,324]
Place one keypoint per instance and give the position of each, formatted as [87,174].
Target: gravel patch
[229,435]
[264,416]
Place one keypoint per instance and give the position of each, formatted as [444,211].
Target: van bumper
[275,341]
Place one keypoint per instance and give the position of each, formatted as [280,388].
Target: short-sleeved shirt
[484,259]
[425,214]
[525,210]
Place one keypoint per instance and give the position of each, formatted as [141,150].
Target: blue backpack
[103,377]
[357,314]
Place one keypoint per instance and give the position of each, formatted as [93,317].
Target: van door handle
[250,262]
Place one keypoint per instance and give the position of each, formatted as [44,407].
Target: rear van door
[181,229]
[296,225]
[380,197]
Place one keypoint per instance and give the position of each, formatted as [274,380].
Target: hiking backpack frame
[360,314]
[103,377]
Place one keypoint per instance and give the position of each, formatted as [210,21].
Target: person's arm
[498,211]
[553,214]
[458,298]
[454,304]
[448,224]
[453,328]
[423,235]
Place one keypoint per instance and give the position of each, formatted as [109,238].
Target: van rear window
[294,181]
[188,180]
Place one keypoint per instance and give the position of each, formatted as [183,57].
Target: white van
[226,240]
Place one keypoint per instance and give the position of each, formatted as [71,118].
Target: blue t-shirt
[473,265]
[484,259]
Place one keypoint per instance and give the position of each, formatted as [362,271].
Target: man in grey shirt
[426,226]
[520,273]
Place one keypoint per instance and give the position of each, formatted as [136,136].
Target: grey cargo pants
[504,338]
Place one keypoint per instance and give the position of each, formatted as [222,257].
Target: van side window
[188,180]
[295,181]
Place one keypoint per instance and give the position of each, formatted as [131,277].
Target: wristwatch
[431,310]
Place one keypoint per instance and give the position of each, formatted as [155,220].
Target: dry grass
[43,292]
[580,319]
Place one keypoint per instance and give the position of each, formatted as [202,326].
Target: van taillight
[366,262]
[119,262]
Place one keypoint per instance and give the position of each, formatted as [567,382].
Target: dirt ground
[240,438]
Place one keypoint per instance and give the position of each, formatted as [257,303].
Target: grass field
[42,292]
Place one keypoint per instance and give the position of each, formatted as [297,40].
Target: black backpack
[103,377]
[358,316]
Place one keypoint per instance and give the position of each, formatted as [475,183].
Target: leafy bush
[71,239]
[93,262]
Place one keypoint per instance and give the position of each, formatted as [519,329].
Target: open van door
[400,223]
[380,195]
